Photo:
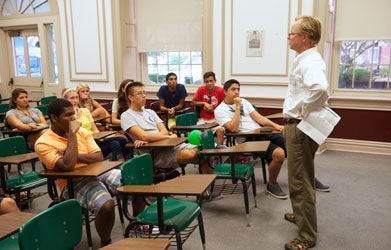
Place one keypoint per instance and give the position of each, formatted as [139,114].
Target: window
[27,55]
[53,70]
[365,65]
[187,66]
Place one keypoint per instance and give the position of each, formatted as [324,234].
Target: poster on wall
[254,43]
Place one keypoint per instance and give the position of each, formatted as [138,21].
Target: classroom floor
[356,213]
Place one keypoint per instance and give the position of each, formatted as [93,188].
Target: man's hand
[74,126]
[237,101]
[171,111]
[208,107]
[139,143]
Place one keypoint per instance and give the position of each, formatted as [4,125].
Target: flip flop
[290,217]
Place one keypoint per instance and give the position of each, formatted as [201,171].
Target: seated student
[7,205]
[86,101]
[120,104]
[66,146]
[238,115]
[208,97]
[111,144]
[22,117]
[145,125]
[171,97]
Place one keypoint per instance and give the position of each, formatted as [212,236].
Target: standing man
[237,114]
[307,92]
[171,97]
[207,98]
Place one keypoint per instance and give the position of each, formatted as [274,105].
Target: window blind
[169,25]
[363,20]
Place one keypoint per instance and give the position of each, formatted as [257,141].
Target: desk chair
[3,109]
[88,216]
[177,214]
[232,171]
[59,227]
[24,182]
[186,119]
[47,99]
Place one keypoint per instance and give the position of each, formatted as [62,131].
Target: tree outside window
[365,65]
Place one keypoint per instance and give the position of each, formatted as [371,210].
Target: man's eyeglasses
[293,33]
[140,93]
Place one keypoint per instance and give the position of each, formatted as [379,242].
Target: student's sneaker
[321,187]
[276,191]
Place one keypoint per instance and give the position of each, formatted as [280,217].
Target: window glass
[365,65]
[186,64]
[20,61]
[34,52]
[52,53]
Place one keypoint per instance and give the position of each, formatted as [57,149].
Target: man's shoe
[298,244]
[320,187]
[276,191]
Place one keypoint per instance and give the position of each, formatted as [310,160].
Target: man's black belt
[291,120]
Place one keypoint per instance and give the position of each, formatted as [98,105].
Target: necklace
[24,112]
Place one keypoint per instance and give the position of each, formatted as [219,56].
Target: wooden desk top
[274,116]
[177,112]
[190,184]
[2,125]
[97,119]
[16,159]
[170,142]
[90,170]
[138,244]
[103,134]
[246,147]
[254,132]
[11,222]
[199,126]
[40,127]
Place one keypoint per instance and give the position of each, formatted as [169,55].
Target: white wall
[87,41]
[260,77]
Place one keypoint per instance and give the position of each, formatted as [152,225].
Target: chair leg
[202,229]
[178,240]
[88,228]
[121,215]
[246,203]
[253,184]
[263,162]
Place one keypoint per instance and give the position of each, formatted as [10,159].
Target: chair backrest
[43,109]
[58,227]
[186,119]
[207,140]
[138,170]
[47,99]
[14,145]
[4,107]
[155,105]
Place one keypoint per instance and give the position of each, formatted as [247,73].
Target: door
[33,60]
[26,62]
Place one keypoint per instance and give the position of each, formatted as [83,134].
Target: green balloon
[194,137]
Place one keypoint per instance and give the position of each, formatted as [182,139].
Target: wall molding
[356,146]
[87,47]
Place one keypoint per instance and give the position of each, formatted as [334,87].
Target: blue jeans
[114,145]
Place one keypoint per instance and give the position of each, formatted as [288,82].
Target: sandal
[290,217]
[298,244]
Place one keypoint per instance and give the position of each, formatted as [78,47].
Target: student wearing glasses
[207,98]
[145,125]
